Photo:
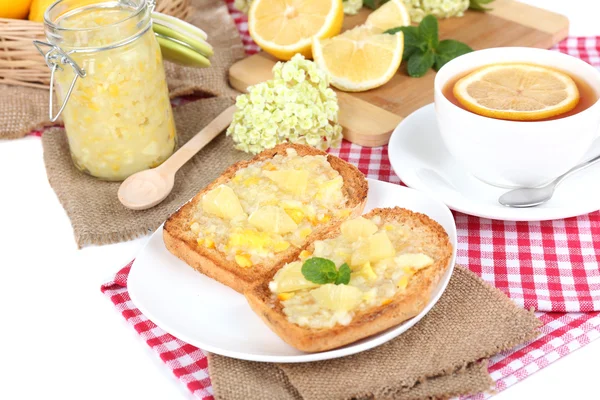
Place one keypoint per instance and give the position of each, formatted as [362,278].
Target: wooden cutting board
[368,118]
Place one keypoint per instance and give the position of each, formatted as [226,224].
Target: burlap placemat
[23,110]
[443,355]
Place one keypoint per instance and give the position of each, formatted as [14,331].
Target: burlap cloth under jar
[443,355]
[92,205]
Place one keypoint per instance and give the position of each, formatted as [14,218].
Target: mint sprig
[420,62]
[428,31]
[322,271]
[373,4]
[343,277]
[449,49]
[423,49]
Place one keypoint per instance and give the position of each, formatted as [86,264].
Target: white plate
[213,317]
[420,159]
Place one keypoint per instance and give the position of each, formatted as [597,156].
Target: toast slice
[182,242]
[425,235]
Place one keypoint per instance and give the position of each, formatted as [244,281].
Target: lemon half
[286,27]
[359,59]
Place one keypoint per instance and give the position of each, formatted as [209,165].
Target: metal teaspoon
[531,197]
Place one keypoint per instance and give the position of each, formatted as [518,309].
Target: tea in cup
[530,138]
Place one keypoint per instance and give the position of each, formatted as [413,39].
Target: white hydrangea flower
[418,9]
[352,7]
[297,105]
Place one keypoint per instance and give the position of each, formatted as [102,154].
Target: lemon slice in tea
[519,92]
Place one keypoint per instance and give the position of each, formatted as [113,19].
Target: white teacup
[513,153]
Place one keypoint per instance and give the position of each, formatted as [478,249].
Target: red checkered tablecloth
[551,266]
[561,334]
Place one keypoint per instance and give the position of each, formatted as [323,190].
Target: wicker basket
[21,63]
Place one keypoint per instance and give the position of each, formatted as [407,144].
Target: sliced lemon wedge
[514,91]
[390,15]
[359,59]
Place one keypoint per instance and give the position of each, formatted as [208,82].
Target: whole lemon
[14,8]
[38,8]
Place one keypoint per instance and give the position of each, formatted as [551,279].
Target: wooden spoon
[145,189]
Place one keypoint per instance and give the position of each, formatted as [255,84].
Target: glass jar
[108,76]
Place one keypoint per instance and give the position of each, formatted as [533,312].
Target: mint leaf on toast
[322,271]
[343,277]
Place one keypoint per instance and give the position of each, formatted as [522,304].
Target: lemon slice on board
[286,27]
[358,59]
[390,15]
[521,92]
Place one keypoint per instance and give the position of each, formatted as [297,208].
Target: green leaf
[403,29]
[423,49]
[448,50]
[420,62]
[409,51]
[477,5]
[373,4]
[370,3]
[343,277]
[412,40]
[428,32]
[319,270]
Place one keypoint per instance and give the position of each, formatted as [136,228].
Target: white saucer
[421,160]
[215,318]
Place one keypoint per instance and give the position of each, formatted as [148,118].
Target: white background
[60,338]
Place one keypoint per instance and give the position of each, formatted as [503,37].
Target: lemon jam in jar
[108,74]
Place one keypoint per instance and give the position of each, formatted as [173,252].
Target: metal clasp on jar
[55,57]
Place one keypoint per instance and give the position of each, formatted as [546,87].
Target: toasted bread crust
[368,322]
[180,241]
